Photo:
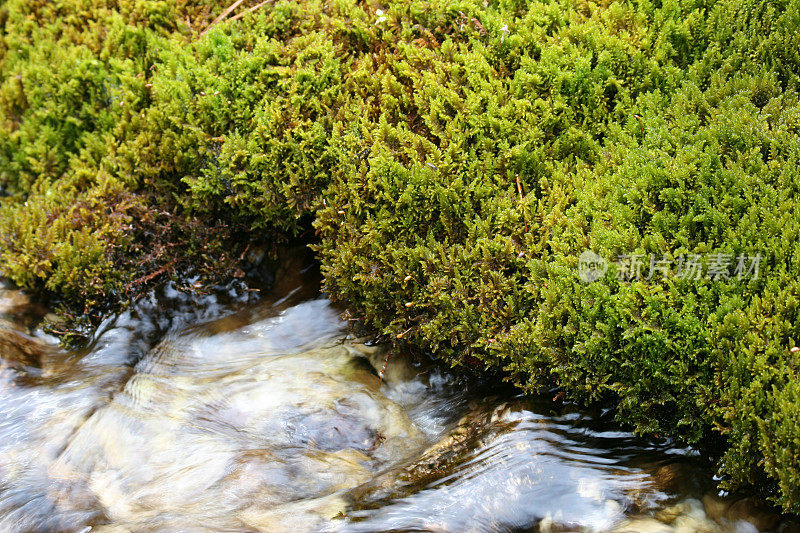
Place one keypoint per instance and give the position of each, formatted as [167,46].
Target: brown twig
[251,9]
[246,249]
[148,277]
[637,117]
[401,335]
[519,190]
[222,16]
[383,370]
[479,27]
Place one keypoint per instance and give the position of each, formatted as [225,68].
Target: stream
[234,409]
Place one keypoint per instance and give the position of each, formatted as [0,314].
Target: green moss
[60,237]
[456,157]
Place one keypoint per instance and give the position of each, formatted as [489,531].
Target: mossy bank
[454,158]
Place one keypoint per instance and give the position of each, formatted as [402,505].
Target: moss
[455,157]
[84,216]
[60,236]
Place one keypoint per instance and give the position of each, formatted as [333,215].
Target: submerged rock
[209,425]
[501,467]
[17,307]
[19,348]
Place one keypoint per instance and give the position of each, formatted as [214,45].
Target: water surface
[238,410]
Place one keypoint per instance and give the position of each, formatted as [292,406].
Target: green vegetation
[455,158]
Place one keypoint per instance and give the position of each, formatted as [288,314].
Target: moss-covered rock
[456,158]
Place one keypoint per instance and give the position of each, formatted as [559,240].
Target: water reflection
[232,411]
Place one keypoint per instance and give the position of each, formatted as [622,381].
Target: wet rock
[675,477]
[748,510]
[208,425]
[687,516]
[687,509]
[788,527]
[715,506]
[16,306]
[306,515]
[499,467]
[643,525]
[17,347]
[694,524]
[743,526]
[391,368]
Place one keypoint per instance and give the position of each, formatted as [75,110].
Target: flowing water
[232,410]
